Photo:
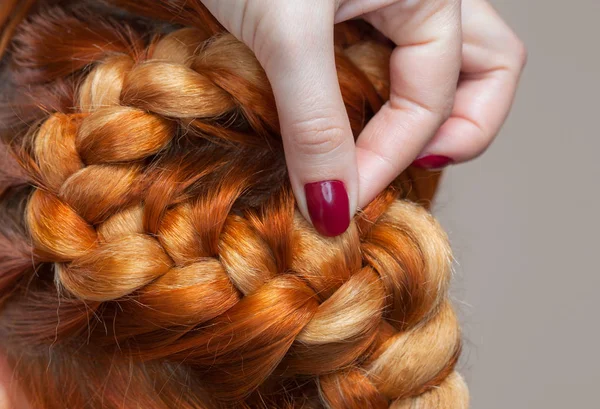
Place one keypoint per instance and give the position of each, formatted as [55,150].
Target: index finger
[424,70]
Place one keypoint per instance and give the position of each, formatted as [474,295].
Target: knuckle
[442,110]
[517,51]
[273,42]
[445,109]
[436,109]
[521,53]
[443,103]
[317,136]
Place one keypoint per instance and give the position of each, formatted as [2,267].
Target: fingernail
[328,206]
[432,162]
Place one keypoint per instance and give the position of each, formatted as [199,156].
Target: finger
[318,141]
[293,41]
[493,60]
[482,105]
[424,71]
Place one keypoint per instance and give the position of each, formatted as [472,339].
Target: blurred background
[524,221]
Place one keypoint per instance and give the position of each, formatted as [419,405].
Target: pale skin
[454,74]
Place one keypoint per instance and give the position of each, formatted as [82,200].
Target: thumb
[318,142]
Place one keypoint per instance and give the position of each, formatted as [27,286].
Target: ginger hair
[151,255]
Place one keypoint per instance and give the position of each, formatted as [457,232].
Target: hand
[493,59]
[426,117]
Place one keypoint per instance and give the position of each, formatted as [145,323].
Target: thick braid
[162,203]
[98,140]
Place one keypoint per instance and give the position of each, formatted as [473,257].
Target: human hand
[426,118]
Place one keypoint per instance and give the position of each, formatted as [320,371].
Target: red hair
[150,251]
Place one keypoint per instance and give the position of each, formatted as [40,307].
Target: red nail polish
[432,162]
[328,206]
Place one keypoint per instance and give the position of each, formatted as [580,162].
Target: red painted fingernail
[432,162]
[328,206]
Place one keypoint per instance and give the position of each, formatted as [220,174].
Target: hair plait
[159,253]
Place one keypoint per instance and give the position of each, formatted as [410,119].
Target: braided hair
[151,255]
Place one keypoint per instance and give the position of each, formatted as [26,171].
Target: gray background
[524,223]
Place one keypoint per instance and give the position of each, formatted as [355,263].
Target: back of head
[151,255]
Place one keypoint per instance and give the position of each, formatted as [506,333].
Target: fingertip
[432,162]
[459,139]
[325,183]
[328,206]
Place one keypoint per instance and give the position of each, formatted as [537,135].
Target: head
[151,254]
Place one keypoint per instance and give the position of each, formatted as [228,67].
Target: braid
[159,244]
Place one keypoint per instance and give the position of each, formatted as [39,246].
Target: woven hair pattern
[151,255]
